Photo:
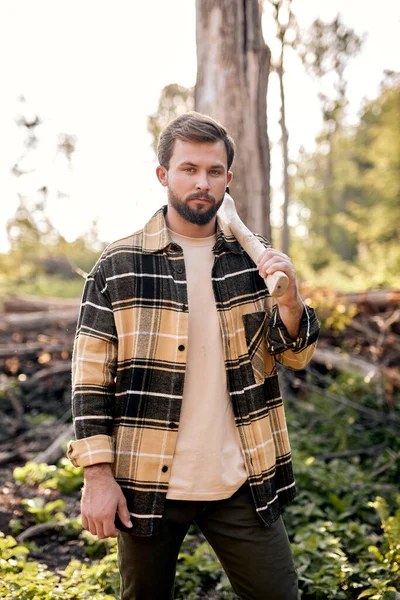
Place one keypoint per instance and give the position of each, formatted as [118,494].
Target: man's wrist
[95,471]
[295,304]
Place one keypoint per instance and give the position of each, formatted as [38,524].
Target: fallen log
[55,451]
[334,359]
[59,367]
[26,304]
[25,350]
[391,339]
[377,300]
[39,321]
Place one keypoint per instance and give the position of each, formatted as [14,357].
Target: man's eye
[215,172]
[188,169]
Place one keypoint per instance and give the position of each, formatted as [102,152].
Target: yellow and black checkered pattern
[129,367]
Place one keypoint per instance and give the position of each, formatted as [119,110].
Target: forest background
[331,203]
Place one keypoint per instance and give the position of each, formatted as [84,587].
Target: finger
[100,530]
[123,512]
[271,255]
[109,528]
[266,255]
[85,524]
[274,266]
[91,526]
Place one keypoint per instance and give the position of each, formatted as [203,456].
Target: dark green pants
[258,560]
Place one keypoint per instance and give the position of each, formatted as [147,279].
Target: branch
[384,468]
[373,450]
[39,529]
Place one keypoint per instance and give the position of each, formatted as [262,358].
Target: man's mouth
[202,199]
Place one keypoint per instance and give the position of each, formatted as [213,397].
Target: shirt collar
[156,236]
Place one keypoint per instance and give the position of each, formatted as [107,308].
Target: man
[176,400]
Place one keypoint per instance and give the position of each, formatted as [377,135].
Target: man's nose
[202,182]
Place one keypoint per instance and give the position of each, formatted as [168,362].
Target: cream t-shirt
[208,462]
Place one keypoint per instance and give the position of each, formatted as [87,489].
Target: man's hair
[193,127]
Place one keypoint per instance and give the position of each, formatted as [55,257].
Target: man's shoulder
[137,241]
[133,240]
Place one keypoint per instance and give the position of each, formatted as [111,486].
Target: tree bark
[233,64]
[285,159]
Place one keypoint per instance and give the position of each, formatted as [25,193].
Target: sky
[95,68]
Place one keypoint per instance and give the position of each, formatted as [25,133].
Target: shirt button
[164,469]
[172,425]
[179,270]
[181,348]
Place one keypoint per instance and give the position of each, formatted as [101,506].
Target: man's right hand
[102,498]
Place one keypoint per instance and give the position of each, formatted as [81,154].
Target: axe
[276,283]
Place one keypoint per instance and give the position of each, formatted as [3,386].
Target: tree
[36,246]
[366,163]
[375,209]
[284,21]
[233,64]
[326,49]
[174,100]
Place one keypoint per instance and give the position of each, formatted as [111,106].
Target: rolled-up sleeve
[94,363]
[91,451]
[293,353]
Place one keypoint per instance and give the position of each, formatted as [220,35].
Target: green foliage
[64,476]
[347,194]
[344,525]
[40,261]
[44,511]
[332,523]
[29,580]
[95,547]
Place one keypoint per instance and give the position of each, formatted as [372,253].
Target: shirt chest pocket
[255,331]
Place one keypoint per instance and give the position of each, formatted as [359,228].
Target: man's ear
[162,175]
[229,178]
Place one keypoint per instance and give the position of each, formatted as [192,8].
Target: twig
[39,529]
[387,466]
[371,412]
[348,453]
[6,457]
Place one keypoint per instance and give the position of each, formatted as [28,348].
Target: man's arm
[294,328]
[93,372]
[94,366]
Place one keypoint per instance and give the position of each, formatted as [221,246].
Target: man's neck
[182,227]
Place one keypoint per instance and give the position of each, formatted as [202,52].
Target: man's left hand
[271,261]
[290,303]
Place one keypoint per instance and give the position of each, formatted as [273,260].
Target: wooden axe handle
[278,282]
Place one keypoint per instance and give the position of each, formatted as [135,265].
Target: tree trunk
[285,160]
[233,64]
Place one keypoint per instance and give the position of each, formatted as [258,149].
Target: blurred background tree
[174,100]
[351,224]
[40,259]
[285,23]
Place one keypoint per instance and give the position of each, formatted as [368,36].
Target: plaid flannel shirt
[129,367]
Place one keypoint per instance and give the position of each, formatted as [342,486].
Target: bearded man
[176,403]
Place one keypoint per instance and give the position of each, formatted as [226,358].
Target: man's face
[196,179]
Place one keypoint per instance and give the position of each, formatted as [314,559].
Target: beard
[199,215]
